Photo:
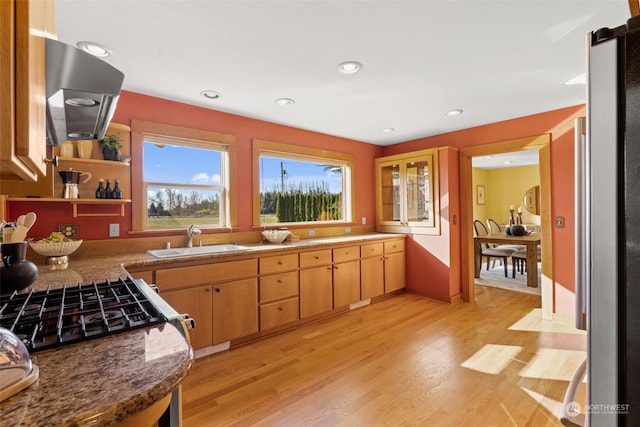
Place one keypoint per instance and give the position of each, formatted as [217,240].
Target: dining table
[531,241]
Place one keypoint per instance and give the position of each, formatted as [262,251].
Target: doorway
[542,144]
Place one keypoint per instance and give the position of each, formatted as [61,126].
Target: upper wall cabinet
[23,27]
[407,196]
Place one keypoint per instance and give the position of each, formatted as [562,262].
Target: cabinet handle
[335,267]
[280,308]
[316,257]
[218,290]
[279,281]
[207,289]
[279,262]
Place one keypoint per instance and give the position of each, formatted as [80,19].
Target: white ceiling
[507,160]
[496,60]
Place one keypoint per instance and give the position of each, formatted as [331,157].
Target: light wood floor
[407,361]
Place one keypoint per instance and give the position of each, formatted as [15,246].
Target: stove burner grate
[70,314]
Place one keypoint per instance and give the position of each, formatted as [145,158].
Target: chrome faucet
[190,232]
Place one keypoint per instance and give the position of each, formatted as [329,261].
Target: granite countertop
[101,381]
[104,380]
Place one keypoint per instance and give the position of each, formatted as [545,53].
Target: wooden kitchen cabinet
[394,266]
[372,270]
[235,310]
[197,302]
[316,283]
[346,276]
[23,27]
[278,313]
[407,196]
[278,292]
[221,297]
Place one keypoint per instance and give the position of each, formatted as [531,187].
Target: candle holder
[511,220]
[519,220]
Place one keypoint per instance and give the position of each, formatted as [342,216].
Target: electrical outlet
[312,233]
[364,220]
[347,230]
[69,230]
[114,230]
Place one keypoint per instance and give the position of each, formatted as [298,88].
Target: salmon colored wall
[557,123]
[137,106]
[433,262]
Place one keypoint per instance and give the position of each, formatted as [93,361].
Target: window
[300,185]
[184,178]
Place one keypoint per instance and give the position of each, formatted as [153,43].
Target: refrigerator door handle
[571,416]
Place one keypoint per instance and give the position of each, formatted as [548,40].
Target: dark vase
[507,230]
[518,230]
[110,154]
[16,273]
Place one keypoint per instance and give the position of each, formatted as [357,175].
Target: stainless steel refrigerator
[608,228]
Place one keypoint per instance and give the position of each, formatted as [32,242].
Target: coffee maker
[70,181]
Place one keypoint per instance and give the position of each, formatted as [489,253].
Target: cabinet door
[394,272]
[24,91]
[316,293]
[372,277]
[389,193]
[196,302]
[235,309]
[407,197]
[346,283]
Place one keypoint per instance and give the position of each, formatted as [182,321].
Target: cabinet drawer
[394,246]
[348,253]
[278,313]
[371,249]
[315,258]
[275,264]
[278,286]
[181,277]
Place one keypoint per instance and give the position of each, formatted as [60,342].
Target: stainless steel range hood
[82,93]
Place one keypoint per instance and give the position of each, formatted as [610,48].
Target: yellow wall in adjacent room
[504,187]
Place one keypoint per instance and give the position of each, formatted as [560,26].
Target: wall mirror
[531,200]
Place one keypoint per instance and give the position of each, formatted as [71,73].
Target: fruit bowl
[55,249]
[276,236]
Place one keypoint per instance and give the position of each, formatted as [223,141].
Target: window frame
[299,153]
[141,130]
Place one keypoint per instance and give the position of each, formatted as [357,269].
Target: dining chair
[494,228]
[492,252]
[519,261]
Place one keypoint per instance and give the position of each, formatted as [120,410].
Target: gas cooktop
[56,317]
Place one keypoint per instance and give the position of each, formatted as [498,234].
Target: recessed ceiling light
[283,102]
[452,113]
[95,49]
[349,67]
[387,130]
[211,94]
[506,162]
[580,79]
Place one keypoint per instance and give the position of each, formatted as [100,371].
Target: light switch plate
[114,230]
[559,222]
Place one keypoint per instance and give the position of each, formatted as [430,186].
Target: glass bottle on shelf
[100,191]
[108,191]
[117,193]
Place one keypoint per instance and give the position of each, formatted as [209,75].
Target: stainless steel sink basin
[198,250]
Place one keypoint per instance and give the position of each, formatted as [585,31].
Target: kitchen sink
[198,250]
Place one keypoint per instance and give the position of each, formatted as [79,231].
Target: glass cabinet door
[390,186]
[419,206]
[407,193]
